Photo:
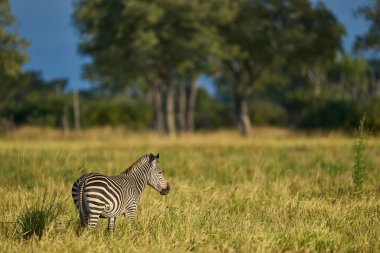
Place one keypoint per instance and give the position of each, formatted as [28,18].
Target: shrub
[331,114]
[371,108]
[115,112]
[362,163]
[265,112]
[34,219]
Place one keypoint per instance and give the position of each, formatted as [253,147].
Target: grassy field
[275,191]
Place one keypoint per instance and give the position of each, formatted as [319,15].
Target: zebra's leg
[130,214]
[111,224]
[92,219]
[130,211]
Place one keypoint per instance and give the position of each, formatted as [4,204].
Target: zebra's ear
[158,157]
[151,157]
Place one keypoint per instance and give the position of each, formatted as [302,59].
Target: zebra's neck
[138,173]
[140,181]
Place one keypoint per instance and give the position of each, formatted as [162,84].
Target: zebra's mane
[142,159]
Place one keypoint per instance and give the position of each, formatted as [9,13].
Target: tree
[12,56]
[371,39]
[32,100]
[12,47]
[351,77]
[158,44]
[271,34]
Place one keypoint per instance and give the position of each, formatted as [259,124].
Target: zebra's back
[102,195]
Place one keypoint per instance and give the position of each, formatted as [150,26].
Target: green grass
[35,218]
[275,191]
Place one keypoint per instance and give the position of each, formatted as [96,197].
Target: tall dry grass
[275,191]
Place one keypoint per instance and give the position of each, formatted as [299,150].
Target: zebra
[99,196]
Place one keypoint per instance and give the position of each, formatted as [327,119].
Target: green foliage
[362,163]
[12,47]
[370,107]
[330,114]
[212,114]
[278,56]
[265,112]
[371,39]
[261,38]
[174,41]
[37,217]
[131,41]
[32,100]
[116,112]
[350,78]
[12,56]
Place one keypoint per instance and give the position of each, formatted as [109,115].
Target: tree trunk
[182,112]
[65,122]
[242,113]
[317,77]
[190,106]
[169,110]
[157,107]
[76,111]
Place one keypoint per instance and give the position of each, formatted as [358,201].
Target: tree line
[269,62]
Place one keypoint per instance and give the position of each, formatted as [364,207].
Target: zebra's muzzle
[166,190]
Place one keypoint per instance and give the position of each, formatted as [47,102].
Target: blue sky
[47,25]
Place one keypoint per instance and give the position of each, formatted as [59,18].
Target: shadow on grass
[44,211]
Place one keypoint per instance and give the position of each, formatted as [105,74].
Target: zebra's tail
[81,207]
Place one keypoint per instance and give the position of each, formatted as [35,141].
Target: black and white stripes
[99,196]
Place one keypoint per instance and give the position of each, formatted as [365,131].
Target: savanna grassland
[274,191]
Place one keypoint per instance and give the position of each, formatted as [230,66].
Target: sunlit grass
[34,219]
[275,191]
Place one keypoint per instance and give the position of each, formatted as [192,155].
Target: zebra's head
[156,178]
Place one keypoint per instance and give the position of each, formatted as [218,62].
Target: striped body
[100,196]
